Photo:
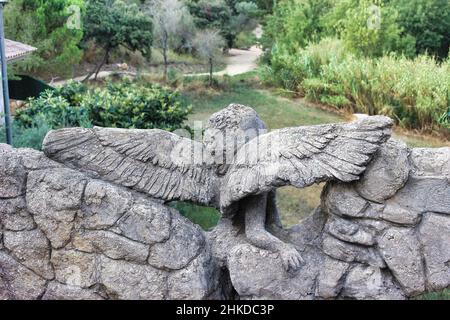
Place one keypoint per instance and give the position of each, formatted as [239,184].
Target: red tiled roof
[16,50]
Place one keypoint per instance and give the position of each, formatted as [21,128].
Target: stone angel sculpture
[236,168]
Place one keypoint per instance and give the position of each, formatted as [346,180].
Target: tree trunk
[210,72]
[165,63]
[98,67]
[166,60]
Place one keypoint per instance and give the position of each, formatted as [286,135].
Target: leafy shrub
[289,70]
[131,105]
[30,137]
[124,105]
[54,108]
[294,23]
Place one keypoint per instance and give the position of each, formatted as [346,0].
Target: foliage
[30,137]
[170,18]
[124,105]
[114,23]
[128,105]
[414,92]
[43,24]
[369,28]
[245,40]
[289,70]
[439,295]
[428,21]
[295,23]
[230,17]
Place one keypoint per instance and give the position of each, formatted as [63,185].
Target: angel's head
[228,130]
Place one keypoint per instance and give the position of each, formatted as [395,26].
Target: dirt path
[237,62]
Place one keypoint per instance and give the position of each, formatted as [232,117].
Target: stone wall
[68,235]
[386,236]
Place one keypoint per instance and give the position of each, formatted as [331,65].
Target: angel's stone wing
[303,156]
[156,162]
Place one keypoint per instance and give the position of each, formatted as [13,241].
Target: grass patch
[205,217]
[296,204]
[276,112]
[440,295]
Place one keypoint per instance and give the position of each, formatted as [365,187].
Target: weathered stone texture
[12,174]
[434,235]
[331,278]
[65,235]
[32,249]
[386,174]
[400,249]
[103,205]
[184,244]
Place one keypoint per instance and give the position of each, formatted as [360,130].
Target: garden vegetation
[365,56]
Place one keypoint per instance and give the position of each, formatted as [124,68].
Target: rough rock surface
[65,234]
[386,236]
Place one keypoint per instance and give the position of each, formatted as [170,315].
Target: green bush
[30,137]
[55,109]
[428,21]
[294,23]
[124,105]
[289,70]
[131,105]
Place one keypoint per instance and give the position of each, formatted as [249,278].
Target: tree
[369,28]
[170,19]
[295,23]
[114,23]
[229,16]
[208,44]
[44,24]
[428,21]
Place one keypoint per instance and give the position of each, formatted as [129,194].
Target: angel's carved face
[228,130]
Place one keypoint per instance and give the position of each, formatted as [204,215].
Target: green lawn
[276,112]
